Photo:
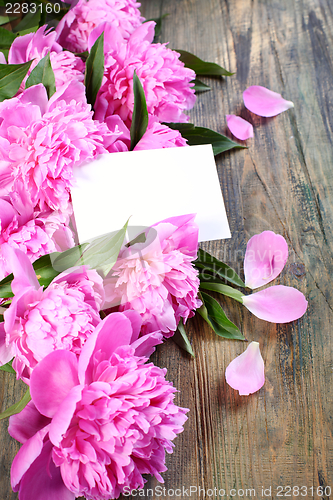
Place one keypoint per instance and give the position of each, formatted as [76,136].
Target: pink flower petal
[52,379]
[24,274]
[26,456]
[27,423]
[239,127]
[246,372]
[265,102]
[6,352]
[265,257]
[277,304]
[43,479]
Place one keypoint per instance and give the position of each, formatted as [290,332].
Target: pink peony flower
[34,234]
[97,423]
[42,140]
[157,278]
[66,66]
[157,136]
[265,257]
[165,80]
[75,27]
[265,102]
[62,317]
[246,373]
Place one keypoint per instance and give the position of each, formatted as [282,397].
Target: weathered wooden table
[278,442]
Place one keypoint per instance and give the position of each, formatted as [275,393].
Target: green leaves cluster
[212,274]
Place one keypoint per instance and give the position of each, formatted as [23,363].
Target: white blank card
[149,186]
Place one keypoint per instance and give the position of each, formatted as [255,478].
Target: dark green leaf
[141,238]
[201,67]
[29,21]
[200,135]
[11,76]
[213,270]
[94,70]
[223,289]
[200,86]
[5,288]
[83,55]
[140,114]
[43,73]
[182,340]
[158,21]
[17,407]
[8,367]
[6,38]
[213,313]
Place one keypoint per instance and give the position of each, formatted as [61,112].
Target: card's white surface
[149,186]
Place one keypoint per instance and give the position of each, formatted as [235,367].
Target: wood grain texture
[281,435]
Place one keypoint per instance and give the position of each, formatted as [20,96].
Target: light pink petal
[7,213]
[265,257]
[43,479]
[26,456]
[2,58]
[265,102]
[246,373]
[239,127]
[276,304]
[27,423]
[20,265]
[63,416]
[146,345]
[35,95]
[52,379]
[114,331]
[6,352]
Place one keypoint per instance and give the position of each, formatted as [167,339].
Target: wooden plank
[281,435]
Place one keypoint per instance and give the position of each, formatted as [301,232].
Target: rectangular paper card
[149,186]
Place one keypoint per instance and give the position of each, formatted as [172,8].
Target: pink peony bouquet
[80,321]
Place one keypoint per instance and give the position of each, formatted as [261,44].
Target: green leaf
[213,313]
[84,55]
[5,288]
[182,340]
[201,67]
[8,367]
[60,261]
[223,289]
[201,135]
[140,114]
[200,86]
[94,70]
[17,407]
[102,253]
[43,73]
[213,270]
[29,22]
[6,38]
[6,19]
[11,76]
